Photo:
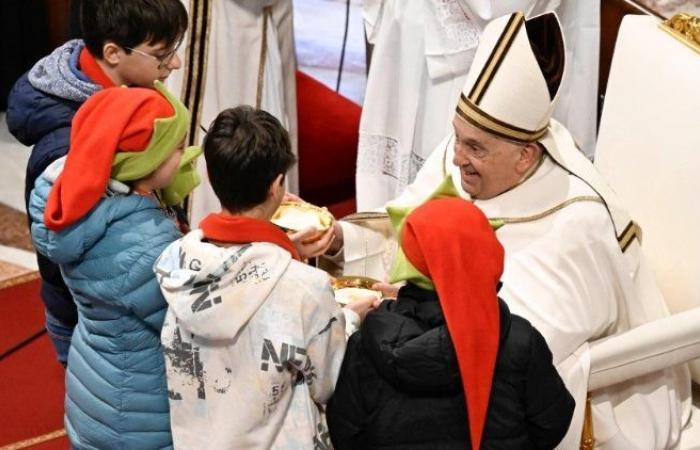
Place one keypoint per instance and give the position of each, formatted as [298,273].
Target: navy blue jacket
[41,106]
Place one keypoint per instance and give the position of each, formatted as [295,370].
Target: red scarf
[89,66]
[451,242]
[243,230]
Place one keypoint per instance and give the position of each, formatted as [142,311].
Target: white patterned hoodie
[253,343]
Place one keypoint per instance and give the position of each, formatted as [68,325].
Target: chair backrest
[649,150]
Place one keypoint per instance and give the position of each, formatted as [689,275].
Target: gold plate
[304,214]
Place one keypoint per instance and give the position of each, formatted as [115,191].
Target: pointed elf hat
[125,134]
[402,269]
[513,82]
[451,243]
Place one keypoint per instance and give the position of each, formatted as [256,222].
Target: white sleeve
[363,252]
[352,321]
[570,283]
[325,349]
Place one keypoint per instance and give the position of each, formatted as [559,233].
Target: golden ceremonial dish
[354,282]
[685,28]
[348,289]
[296,216]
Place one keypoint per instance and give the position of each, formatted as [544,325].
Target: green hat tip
[402,269]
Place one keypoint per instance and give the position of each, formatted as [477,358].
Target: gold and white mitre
[511,91]
[506,92]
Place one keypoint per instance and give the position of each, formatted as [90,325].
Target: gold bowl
[354,282]
[352,288]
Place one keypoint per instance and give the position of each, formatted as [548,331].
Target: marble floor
[17,260]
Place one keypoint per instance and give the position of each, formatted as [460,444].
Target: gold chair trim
[685,28]
[587,433]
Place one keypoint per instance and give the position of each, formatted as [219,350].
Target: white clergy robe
[422,53]
[566,273]
[225,64]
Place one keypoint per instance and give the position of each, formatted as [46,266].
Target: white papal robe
[566,273]
[422,53]
[236,52]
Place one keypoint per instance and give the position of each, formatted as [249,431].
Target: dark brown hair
[129,23]
[245,150]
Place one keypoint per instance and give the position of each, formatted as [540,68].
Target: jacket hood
[214,291]
[409,344]
[47,97]
[57,74]
[71,243]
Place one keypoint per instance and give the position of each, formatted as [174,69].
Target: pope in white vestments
[574,266]
[422,52]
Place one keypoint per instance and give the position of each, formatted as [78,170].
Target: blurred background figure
[237,52]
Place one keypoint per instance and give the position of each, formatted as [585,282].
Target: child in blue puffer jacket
[98,213]
[125,42]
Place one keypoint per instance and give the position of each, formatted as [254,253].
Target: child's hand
[364,306]
[387,290]
[312,249]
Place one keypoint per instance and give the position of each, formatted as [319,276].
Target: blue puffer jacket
[116,394]
[40,109]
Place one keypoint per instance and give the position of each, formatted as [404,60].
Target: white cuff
[352,321]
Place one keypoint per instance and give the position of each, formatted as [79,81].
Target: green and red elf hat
[452,244]
[124,134]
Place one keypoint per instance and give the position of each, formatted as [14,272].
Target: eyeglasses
[162,60]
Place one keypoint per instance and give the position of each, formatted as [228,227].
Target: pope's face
[488,165]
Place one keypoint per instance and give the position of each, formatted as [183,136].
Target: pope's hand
[364,305]
[313,249]
[337,243]
[387,290]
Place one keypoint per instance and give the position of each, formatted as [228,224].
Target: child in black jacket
[446,365]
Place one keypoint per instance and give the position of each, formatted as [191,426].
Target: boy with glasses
[116,36]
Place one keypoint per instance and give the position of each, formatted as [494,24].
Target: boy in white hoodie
[253,338]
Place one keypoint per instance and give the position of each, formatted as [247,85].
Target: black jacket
[400,386]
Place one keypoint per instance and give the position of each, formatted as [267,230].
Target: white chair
[649,150]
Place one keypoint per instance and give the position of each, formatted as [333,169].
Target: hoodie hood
[46,98]
[204,283]
[57,74]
